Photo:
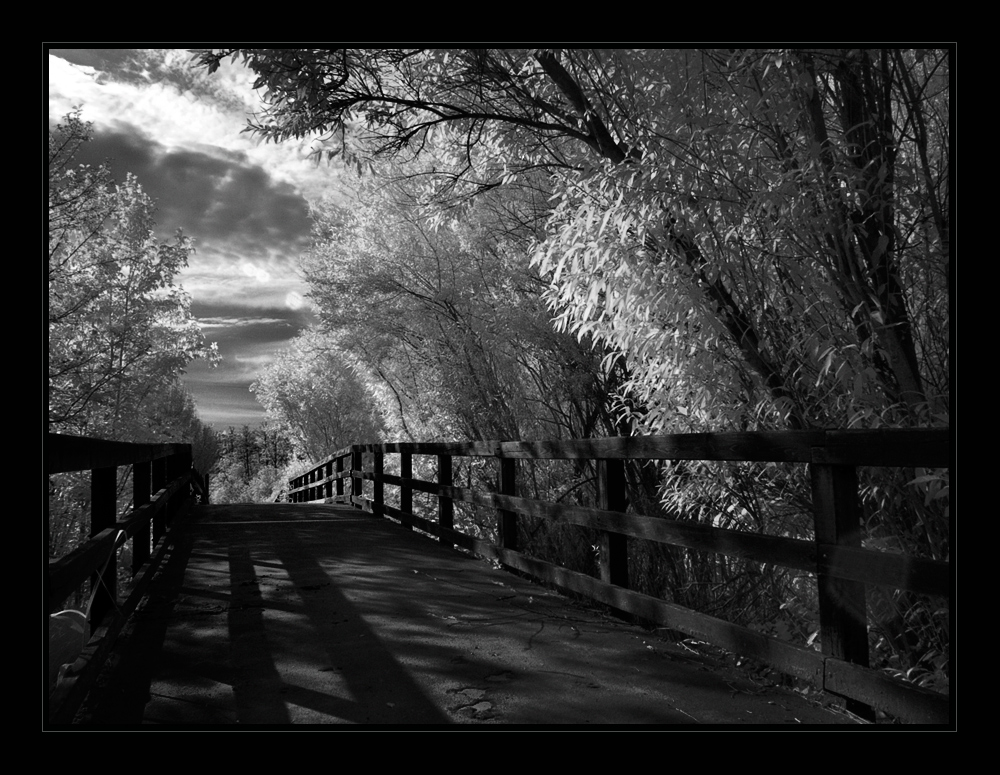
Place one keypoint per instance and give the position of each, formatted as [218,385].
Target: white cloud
[229,322]
[181,119]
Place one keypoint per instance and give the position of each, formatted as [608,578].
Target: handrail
[842,568]
[162,480]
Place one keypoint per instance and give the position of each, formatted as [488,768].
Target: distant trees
[311,392]
[253,464]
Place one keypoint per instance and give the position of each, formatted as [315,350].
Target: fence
[162,480]
[842,568]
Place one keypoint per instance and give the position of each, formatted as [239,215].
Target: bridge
[351,603]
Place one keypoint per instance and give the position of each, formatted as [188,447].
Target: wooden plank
[910,447]
[854,564]
[103,502]
[71,693]
[405,493]
[67,573]
[506,519]
[764,446]
[613,558]
[905,447]
[842,608]
[887,569]
[78,453]
[910,703]
[339,475]
[357,463]
[141,494]
[788,552]
[378,493]
[446,507]
[158,481]
[456,448]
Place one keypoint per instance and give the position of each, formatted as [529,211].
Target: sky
[245,204]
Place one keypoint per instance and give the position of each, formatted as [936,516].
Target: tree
[120,330]
[756,238]
[702,198]
[449,323]
[254,464]
[781,230]
[312,393]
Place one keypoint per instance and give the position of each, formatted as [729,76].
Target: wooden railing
[841,567]
[162,482]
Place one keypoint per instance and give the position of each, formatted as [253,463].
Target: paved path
[319,614]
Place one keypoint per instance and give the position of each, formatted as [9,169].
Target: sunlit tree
[447,319]
[754,229]
[311,392]
[120,330]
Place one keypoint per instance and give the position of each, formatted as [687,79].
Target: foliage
[448,324]
[254,466]
[769,255]
[749,239]
[311,392]
[120,331]
[761,229]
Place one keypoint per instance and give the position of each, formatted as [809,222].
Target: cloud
[244,204]
[183,107]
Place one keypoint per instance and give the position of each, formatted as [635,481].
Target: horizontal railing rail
[841,566]
[162,483]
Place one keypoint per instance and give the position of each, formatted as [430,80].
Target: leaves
[120,331]
[312,392]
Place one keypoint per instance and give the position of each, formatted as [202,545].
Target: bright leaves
[120,331]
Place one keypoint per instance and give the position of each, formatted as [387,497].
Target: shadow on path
[281,614]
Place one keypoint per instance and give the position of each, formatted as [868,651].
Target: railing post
[446,507]
[378,487]
[329,482]
[159,481]
[140,497]
[842,611]
[340,480]
[611,497]
[507,520]
[357,483]
[406,493]
[174,468]
[103,501]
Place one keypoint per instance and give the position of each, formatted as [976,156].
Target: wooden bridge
[386,628]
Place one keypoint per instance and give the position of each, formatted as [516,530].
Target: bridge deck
[320,614]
